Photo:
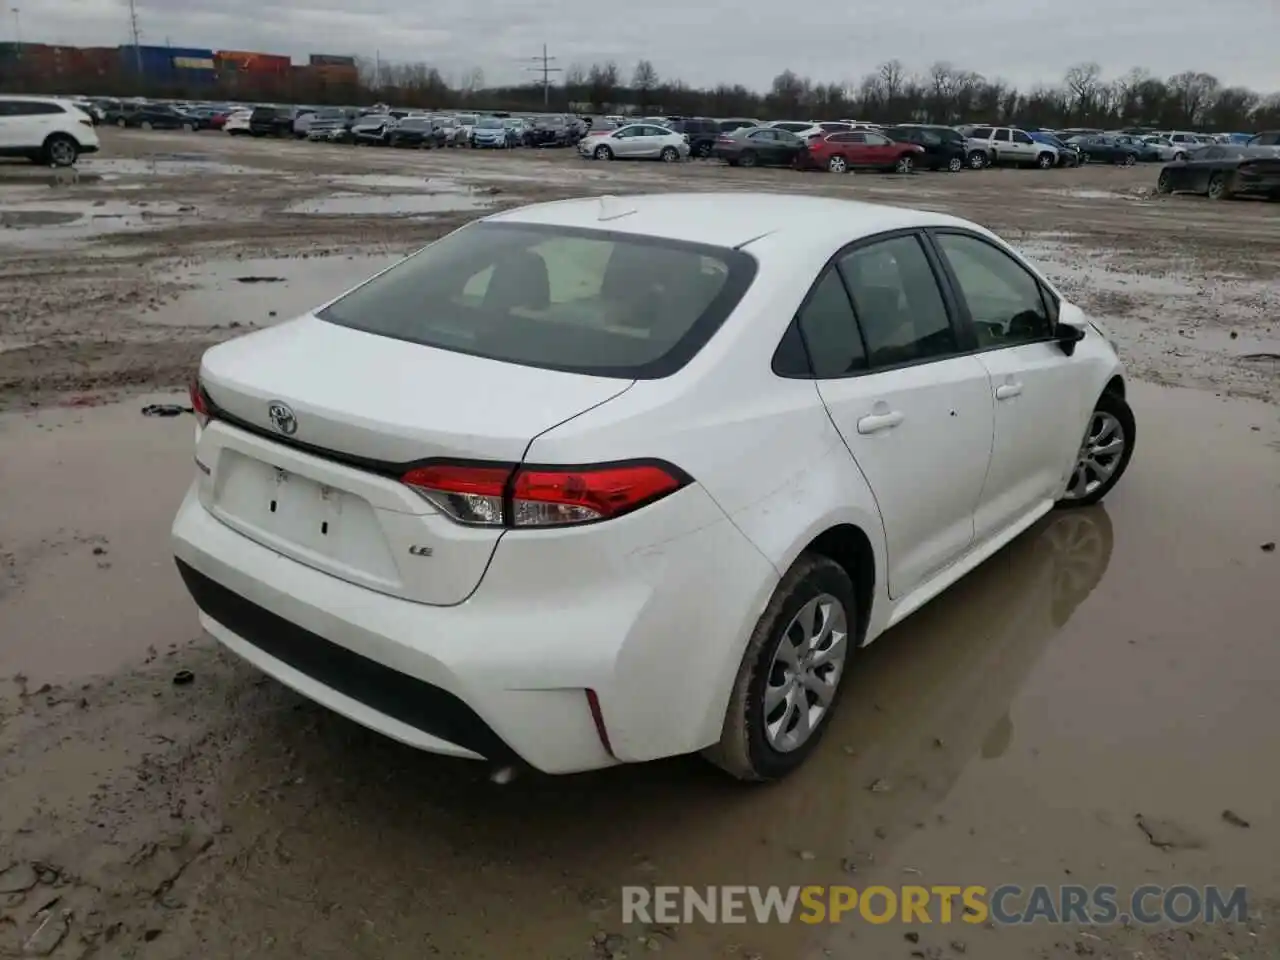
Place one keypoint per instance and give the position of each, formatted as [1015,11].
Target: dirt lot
[1113,670]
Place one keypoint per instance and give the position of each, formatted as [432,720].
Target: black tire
[838,164]
[122,123]
[60,150]
[703,151]
[1164,182]
[145,125]
[904,164]
[1045,161]
[977,160]
[1129,160]
[1115,405]
[955,165]
[669,155]
[602,152]
[748,158]
[743,750]
[1219,189]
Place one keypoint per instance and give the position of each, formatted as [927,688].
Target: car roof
[726,219]
[37,98]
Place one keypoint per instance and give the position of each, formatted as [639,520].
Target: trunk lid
[361,408]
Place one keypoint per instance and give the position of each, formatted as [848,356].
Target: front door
[1033,387]
[914,413]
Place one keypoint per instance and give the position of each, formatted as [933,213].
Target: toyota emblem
[282,418]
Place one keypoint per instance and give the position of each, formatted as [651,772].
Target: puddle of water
[85,585]
[171,165]
[222,297]
[393,181]
[52,223]
[391,204]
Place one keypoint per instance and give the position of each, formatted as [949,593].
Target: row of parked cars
[383,126]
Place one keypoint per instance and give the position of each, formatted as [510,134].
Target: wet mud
[1110,663]
[1087,707]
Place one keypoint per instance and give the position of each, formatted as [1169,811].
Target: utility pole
[543,66]
[133,30]
[17,27]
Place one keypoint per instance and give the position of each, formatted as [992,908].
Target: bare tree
[1192,93]
[602,85]
[1082,83]
[892,76]
[644,81]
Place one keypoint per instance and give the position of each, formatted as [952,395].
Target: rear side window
[580,300]
[32,108]
[830,331]
[898,304]
[982,133]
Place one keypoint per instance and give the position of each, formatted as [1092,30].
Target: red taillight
[542,496]
[468,493]
[199,401]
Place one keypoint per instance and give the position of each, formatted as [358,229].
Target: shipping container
[331,60]
[249,62]
[170,64]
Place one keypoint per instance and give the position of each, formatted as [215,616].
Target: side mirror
[1068,336]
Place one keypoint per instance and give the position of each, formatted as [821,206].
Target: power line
[133,29]
[546,70]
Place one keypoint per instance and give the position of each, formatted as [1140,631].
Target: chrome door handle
[876,422]
[1008,390]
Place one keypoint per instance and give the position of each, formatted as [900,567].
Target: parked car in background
[89,109]
[1268,138]
[753,384]
[467,123]
[153,116]
[270,121]
[1146,152]
[417,131]
[759,146]
[862,150]
[373,130]
[1104,149]
[237,123]
[1165,150]
[738,123]
[944,147]
[491,133]
[1184,142]
[46,130]
[1224,170]
[555,131]
[1010,145]
[635,141]
[452,132]
[701,133]
[326,124]
[1068,156]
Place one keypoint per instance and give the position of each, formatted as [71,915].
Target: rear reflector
[542,496]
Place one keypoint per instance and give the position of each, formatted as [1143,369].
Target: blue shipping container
[169,63]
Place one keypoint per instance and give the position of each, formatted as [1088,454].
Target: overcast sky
[704,43]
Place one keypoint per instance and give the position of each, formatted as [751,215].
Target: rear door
[880,150]
[914,411]
[1035,390]
[9,126]
[856,149]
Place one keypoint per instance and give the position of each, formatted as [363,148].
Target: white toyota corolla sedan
[612,479]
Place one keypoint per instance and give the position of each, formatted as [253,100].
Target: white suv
[1011,145]
[45,130]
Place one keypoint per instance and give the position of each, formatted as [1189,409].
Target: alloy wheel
[955,164]
[1100,454]
[806,670]
[904,165]
[837,165]
[62,153]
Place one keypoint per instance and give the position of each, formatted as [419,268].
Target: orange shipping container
[249,62]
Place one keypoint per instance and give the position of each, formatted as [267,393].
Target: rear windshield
[587,301]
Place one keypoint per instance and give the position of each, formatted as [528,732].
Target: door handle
[875,422]
[1007,391]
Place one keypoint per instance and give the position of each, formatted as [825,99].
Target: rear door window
[898,304]
[830,331]
[581,300]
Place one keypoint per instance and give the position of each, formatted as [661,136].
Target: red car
[862,149]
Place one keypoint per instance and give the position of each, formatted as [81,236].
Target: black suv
[944,148]
[271,122]
[699,131]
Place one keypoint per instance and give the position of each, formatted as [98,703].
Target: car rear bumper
[504,675]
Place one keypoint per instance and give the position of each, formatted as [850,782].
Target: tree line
[944,93]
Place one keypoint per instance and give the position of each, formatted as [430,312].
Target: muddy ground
[1113,669]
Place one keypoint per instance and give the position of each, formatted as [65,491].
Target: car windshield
[467,119]
[574,299]
[489,124]
[414,123]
